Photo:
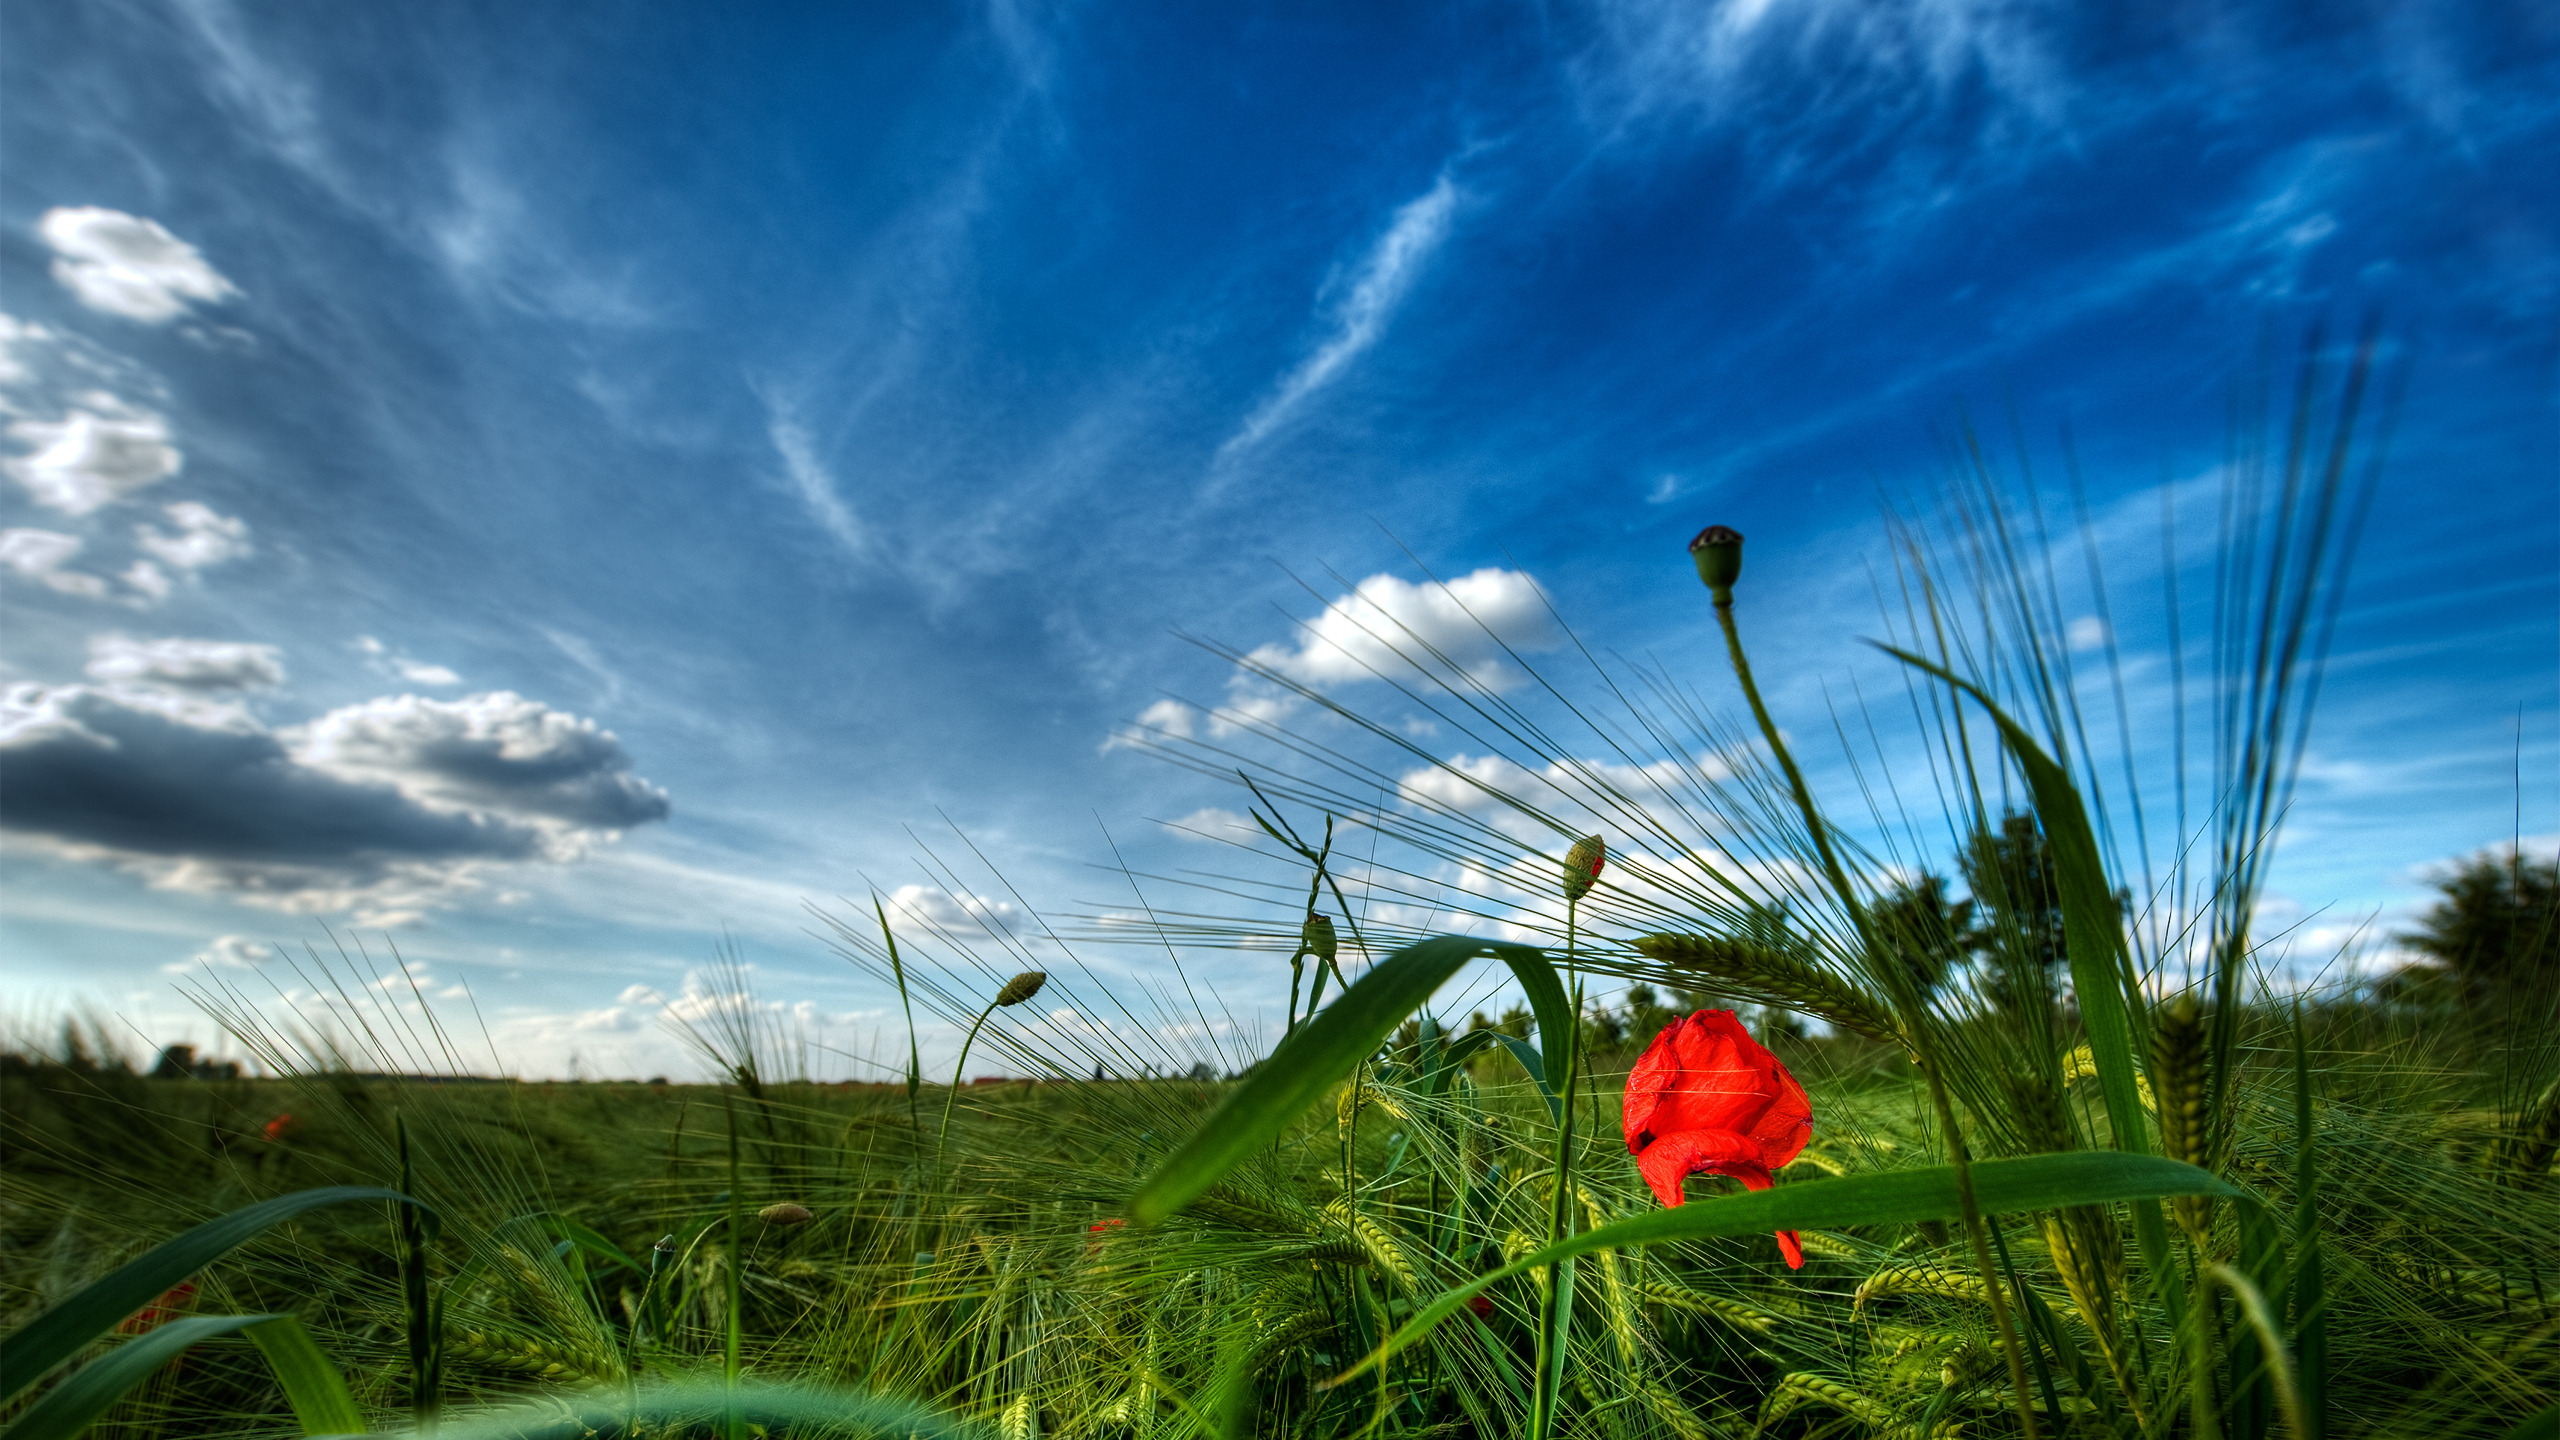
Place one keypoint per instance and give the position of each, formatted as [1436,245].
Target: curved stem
[1921,1051]
[949,1100]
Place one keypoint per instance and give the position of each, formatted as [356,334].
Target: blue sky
[560,484]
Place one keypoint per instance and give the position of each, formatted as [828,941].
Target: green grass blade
[2032,1182]
[70,1407]
[1307,1064]
[312,1384]
[31,1352]
[2544,1426]
[2093,931]
[2308,1288]
[1532,1065]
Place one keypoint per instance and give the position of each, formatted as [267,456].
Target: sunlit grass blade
[2033,1182]
[312,1384]
[1308,1063]
[2093,927]
[31,1352]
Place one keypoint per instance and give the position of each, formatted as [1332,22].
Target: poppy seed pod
[1718,553]
[1318,938]
[1582,865]
[1021,987]
[785,1213]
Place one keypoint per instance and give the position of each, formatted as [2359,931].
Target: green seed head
[785,1213]
[1318,937]
[1718,553]
[1582,865]
[1022,987]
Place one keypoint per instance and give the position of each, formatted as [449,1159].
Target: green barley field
[2083,1154]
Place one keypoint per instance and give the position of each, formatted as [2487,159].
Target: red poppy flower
[1107,1225]
[1482,1305]
[1708,1097]
[171,1304]
[283,1127]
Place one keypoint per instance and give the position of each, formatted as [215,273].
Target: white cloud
[38,555]
[487,754]
[387,809]
[103,450]
[2086,633]
[1214,824]
[960,916]
[203,537]
[147,579]
[810,481]
[127,265]
[226,952]
[1468,621]
[1381,281]
[16,337]
[418,674]
[199,665]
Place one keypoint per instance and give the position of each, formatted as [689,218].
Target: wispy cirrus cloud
[1359,317]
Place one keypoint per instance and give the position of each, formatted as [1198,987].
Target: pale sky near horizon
[561,486]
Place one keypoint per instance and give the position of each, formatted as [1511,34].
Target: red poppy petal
[1654,1073]
[1677,1156]
[1792,1248]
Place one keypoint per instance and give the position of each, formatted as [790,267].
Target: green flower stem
[1555,1315]
[1921,1050]
[943,1138]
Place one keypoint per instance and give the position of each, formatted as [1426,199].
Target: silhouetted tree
[2493,935]
[1923,929]
[2016,896]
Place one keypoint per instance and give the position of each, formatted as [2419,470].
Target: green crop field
[2081,1159]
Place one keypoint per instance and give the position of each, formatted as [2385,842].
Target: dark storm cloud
[92,769]
[405,788]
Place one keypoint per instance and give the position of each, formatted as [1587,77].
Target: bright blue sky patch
[561,484]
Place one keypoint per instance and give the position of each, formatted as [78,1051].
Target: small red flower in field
[171,1304]
[1482,1305]
[1708,1097]
[1107,1225]
[282,1128]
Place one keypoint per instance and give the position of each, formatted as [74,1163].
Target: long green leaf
[2093,930]
[31,1352]
[312,1384]
[2032,1182]
[68,1408]
[2544,1425]
[1308,1063]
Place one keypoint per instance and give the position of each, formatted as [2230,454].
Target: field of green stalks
[2087,1156]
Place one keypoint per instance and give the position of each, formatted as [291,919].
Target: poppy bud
[1718,553]
[1021,987]
[785,1213]
[1582,865]
[1318,938]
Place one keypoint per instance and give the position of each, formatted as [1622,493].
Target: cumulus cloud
[402,667]
[943,913]
[1360,316]
[1458,633]
[226,952]
[487,754]
[1468,622]
[38,555]
[388,807]
[1582,794]
[202,537]
[100,452]
[1214,823]
[127,265]
[198,665]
